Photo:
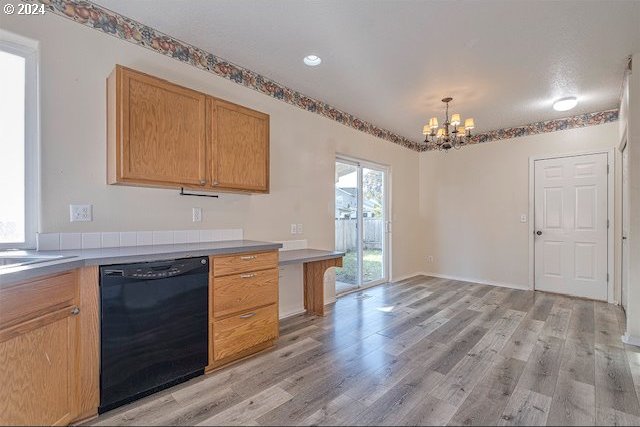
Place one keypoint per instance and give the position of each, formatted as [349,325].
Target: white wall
[471,201]
[75,61]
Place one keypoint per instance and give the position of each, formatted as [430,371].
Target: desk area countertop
[307,255]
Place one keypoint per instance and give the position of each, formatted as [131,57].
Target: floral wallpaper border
[578,121]
[116,25]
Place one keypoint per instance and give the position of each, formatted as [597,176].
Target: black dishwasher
[154,328]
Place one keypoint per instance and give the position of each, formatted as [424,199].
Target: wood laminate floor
[424,351]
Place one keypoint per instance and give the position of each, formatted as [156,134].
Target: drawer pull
[248,276]
[75,311]
[248,257]
[248,315]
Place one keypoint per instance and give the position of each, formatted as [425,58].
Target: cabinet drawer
[26,301]
[235,334]
[244,291]
[243,263]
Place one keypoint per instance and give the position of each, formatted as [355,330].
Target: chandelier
[444,138]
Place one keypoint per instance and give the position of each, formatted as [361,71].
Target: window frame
[30,52]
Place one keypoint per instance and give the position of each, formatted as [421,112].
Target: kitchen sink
[18,258]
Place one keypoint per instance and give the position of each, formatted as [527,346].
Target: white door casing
[571,215]
[625,226]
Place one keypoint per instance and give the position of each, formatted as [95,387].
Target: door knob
[539,233]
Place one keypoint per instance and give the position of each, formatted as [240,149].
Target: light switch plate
[299,228]
[294,228]
[523,218]
[80,213]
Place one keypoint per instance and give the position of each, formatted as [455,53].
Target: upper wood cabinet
[159,135]
[162,134]
[240,146]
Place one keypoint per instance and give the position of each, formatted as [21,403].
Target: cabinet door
[240,147]
[38,369]
[163,132]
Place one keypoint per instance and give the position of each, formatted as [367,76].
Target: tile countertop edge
[107,256]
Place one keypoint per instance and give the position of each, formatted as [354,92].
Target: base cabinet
[38,371]
[39,351]
[243,297]
[50,334]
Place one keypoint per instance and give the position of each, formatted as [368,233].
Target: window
[18,145]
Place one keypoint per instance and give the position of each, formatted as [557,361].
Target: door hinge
[607,277]
[607,223]
[607,169]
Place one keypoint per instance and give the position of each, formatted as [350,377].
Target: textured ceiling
[390,61]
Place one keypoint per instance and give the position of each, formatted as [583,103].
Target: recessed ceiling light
[565,104]
[312,60]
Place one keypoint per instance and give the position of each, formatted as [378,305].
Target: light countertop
[106,256]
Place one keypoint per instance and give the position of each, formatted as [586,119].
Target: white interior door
[625,226]
[571,225]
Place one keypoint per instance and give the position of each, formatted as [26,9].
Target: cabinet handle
[248,315]
[215,183]
[75,311]
[248,257]
[248,276]
[203,182]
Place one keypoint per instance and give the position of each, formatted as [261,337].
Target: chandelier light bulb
[469,124]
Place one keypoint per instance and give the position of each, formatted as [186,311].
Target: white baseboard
[302,310]
[477,281]
[293,313]
[631,340]
[405,277]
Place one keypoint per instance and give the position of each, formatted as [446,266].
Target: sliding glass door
[361,224]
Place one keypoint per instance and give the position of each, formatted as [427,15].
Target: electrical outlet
[294,228]
[196,214]
[523,218]
[430,258]
[80,213]
[299,228]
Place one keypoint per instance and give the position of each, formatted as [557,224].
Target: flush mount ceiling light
[444,138]
[312,60]
[565,104]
